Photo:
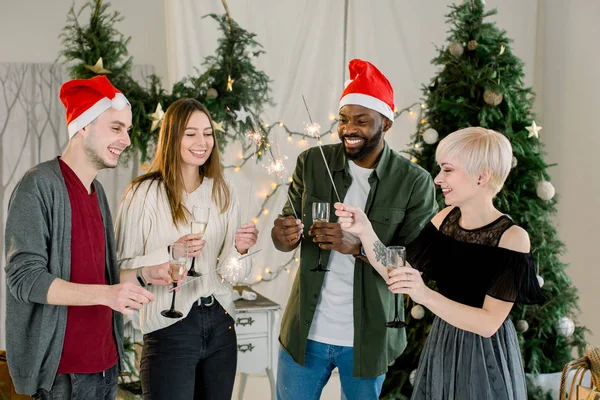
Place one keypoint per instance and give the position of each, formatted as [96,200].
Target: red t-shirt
[89,344]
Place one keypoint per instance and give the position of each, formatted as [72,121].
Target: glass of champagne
[177,266]
[395,257]
[320,213]
[200,216]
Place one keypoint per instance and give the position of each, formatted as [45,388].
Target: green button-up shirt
[401,201]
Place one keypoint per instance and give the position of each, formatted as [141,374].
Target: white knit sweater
[145,228]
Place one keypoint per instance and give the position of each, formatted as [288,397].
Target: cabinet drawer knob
[242,348]
[245,321]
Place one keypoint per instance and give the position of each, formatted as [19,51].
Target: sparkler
[314,130]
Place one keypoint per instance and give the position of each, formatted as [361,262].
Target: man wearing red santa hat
[338,318]
[65,294]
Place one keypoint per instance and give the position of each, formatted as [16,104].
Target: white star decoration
[241,115]
[157,117]
[534,130]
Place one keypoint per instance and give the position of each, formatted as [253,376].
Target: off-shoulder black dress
[468,265]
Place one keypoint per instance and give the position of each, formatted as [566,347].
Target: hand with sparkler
[286,233]
[246,237]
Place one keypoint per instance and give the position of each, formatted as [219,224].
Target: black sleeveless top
[467,264]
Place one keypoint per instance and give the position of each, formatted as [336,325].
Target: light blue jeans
[296,382]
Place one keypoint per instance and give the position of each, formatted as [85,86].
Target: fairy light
[267,271]
[423,121]
[423,106]
[266,212]
[289,138]
[273,186]
[255,220]
[281,124]
[290,180]
[237,169]
[414,159]
[331,117]
[259,278]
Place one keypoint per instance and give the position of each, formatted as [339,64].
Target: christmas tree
[481,83]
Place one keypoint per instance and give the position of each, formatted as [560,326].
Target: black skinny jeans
[195,358]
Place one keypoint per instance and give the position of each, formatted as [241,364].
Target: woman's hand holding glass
[407,280]
[194,243]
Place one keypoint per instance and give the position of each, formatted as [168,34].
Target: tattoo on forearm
[379,249]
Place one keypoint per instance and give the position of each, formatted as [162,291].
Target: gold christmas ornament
[97,68]
[492,98]
[472,45]
[534,130]
[229,83]
[212,93]
[412,377]
[457,49]
[417,312]
[430,136]
[522,326]
[157,117]
[514,162]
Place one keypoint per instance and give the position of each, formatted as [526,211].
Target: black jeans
[98,386]
[195,358]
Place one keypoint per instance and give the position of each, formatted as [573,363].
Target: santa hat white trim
[370,102]
[85,118]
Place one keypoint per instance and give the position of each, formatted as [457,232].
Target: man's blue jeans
[296,382]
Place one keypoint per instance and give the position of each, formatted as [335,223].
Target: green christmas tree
[480,83]
[230,87]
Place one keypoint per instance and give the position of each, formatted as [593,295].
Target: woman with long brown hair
[194,356]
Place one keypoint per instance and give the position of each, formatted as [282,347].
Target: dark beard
[367,148]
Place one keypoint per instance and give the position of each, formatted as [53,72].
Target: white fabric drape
[304,43]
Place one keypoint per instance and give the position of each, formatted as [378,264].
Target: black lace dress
[467,265]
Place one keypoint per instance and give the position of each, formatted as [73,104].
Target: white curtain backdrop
[308,45]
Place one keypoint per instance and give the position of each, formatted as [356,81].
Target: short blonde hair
[479,150]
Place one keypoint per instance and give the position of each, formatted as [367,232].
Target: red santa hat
[86,99]
[369,88]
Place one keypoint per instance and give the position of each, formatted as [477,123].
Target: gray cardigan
[38,250]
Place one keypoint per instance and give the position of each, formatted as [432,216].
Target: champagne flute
[395,257]
[199,223]
[177,265]
[320,213]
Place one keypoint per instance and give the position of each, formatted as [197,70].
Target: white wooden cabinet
[257,329]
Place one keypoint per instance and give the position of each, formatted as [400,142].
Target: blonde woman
[481,262]
[194,356]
